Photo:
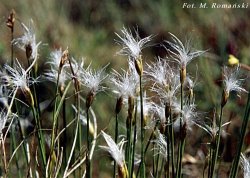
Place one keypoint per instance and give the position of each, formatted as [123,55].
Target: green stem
[154,159]
[182,141]
[134,143]
[39,129]
[79,132]
[13,146]
[168,151]
[3,155]
[217,144]
[167,139]
[75,136]
[88,162]
[234,170]
[143,171]
[128,146]
[210,161]
[116,140]
[64,134]
[162,166]
[172,145]
[157,165]
[24,140]
[55,120]
[40,136]
[146,148]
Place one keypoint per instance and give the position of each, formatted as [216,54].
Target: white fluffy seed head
[231,80]
[125,84]
[55,58]
[116,151]
[93,79]
[160,73]
[182,53]
[18,77]
[132,46]
[28,39]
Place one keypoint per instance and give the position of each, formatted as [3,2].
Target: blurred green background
[88,28]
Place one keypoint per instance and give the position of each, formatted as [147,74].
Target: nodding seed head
[64,58]
[183,75]
[118,106]
[28,96]
[231,83]
[224,98]
[28,50]
[11,19]
[139,66]
[89,99]
[131,108]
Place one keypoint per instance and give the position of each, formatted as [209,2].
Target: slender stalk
[130,149]
[129,146]
[41,141]
[12,47]
[154,147]
[13,146]
[146,148]
[182,140]
[128,142]
[80,137]
[217,144]
[55,121]
[56,114]
[167,139]
[34,75]
[76,130]
[4,159]
[116,140]
[10,22]
[12,64]
[167,135]
[134,143]
[72,149]
[78,100]
[88,162]
[79,129]
[64,133]
[172,144]
[157,165]
[181,155]
[143,171]
[25,146]
[210,161]
[116,128]
[162,166]
[94,137]
[234,169]
[40,135]
[129,121]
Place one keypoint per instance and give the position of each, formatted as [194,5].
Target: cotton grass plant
[158,96]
